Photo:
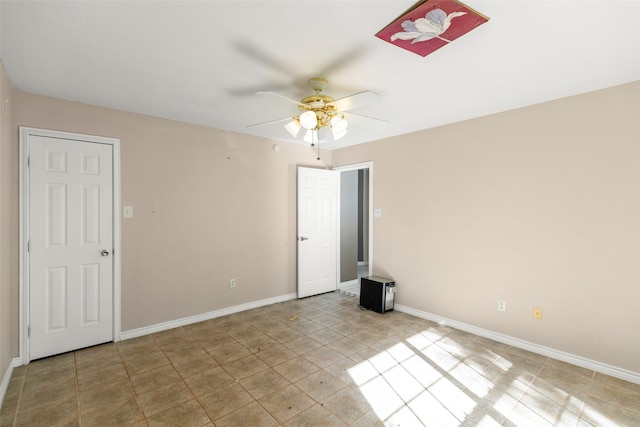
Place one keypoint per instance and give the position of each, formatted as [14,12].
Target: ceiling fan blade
[369,123]
[280,97]
[352,102]
[343,60]
[270,122]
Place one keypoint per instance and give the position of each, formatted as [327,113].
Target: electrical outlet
[232,283]
[537,313]
[502,305]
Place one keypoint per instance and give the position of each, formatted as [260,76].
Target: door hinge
[29,246]
[29,161]
[29,331]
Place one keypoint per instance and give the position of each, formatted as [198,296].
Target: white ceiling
[201,61]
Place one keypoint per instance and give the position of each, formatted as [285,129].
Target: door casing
[358,166]
[25,133]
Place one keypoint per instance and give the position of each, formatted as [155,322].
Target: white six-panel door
[71,239]
[317,231]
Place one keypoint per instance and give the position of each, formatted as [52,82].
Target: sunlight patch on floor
[432,379]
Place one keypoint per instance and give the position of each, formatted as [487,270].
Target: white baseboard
[593,365]
[15,362]
[134,333]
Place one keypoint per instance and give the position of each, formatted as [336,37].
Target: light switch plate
[127,211]
[377,212]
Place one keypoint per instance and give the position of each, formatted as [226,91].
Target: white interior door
[318,192]
[71,240]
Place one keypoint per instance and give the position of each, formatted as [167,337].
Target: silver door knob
[302,238]
[105,252]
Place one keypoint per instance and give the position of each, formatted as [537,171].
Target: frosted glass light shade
[338,134]
[293,127]
[308,120]
[311,136]
[338,127]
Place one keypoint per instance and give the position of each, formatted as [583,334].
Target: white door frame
[358,166]
[24,316]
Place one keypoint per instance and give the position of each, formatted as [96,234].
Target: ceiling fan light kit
[321,111]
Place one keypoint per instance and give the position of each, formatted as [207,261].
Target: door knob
[302,238]
[105,252]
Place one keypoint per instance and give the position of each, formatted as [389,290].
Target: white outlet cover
[127,211]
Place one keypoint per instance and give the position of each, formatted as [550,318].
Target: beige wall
[8,226]
[209,206]
[538,207]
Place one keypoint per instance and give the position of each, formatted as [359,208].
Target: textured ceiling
[201,61]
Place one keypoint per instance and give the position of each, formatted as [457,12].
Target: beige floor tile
[283,335]
[128,348]
[172,338]
[164,397]
[323,356]
[267,324]
[348,404]
[264,382]
[9,406]
[369,420]
[94,357]
[326,335]
[194,366]
[225,400]
[316,416]
[155,378]
[187,414]
[252,415]
[209,381]
[305,326]
[37,376]
[212,343]
[229,353]
[276,355]
[346,346]
[119,413]
[47,393]
[320,385]
[296,369]
[185,352]
[327,319]
[258,344]
[105,393]
[286,403]
[303,344]
[61,411]
[547,409]
[245,367]
[605,414]
[247,333]
[616,391]
[103,375]
[51,364]
[144,361]
[340,370]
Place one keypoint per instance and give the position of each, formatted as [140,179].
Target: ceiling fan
[320,112]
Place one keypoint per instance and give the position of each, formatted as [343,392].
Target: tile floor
[353,289]
[318,361]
